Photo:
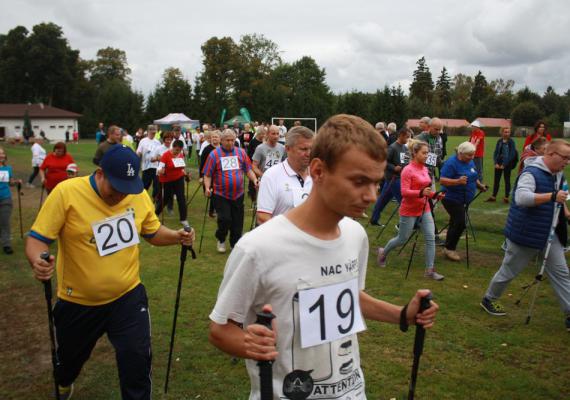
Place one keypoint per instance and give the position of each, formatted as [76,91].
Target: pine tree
[480,89]
[443,89]
[422,85]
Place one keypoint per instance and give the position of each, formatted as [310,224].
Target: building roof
[34,111]
[493,122]
[447,122]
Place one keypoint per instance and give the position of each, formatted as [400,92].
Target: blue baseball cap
[121,167]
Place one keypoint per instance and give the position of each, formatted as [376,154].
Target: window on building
[61,127]
[36,127]
[52,126]
[17,127]
[69,126]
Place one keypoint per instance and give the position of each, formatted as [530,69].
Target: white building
[54,122]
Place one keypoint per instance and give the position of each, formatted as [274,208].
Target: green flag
[244,113]
[223,117]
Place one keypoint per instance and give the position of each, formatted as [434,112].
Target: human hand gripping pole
[265,367]
[183,254]
[418,345]
[54,357]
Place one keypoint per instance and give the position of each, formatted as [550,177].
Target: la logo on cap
[130,170]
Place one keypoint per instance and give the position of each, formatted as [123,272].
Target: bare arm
[165,237]
[255,167]
[42,270]
[263,217]
[207,185]
[252,177]
[255,342]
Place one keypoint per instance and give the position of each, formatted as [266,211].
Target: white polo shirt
[280,189]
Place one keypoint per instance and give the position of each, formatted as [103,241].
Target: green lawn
[468,355]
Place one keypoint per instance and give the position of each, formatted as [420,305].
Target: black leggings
[35,173]
[456,227]
[170,189]
[497,182]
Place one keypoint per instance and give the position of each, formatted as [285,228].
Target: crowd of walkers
[308,191]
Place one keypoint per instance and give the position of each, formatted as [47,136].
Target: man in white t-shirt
[288,184]
[282,131]
[269,153]
[315,282]
[147,150]
[38,157]
[206,136]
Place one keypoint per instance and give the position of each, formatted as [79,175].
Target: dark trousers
[390,190]
[126,322]
[35,173]
[170,189]
[497,182]
[456,227]
[230,218]
[149,177]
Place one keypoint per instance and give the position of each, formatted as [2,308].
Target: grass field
[468,355]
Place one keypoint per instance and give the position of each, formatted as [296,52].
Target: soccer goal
[313,121]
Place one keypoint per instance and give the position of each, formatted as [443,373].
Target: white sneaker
[432,274]
[30,186]
[221,247]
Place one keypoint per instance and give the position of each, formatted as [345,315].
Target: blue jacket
[513,155]
[530,226]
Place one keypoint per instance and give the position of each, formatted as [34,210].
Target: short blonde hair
[466,148]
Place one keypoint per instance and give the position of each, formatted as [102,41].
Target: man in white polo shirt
[288,184]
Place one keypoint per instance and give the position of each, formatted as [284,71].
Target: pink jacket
[414,178]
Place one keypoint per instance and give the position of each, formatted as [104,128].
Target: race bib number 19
[230,163]
[115,233]
[329,313]
[431,159]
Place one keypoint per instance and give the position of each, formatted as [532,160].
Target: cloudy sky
[362,45]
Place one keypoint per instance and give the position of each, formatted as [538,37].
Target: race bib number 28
[329,313]
[230,163]
[115,233]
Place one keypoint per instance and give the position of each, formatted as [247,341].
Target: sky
[362,45]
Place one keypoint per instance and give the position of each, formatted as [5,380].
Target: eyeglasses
[565,158]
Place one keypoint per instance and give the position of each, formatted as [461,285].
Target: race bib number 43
[329,313]
[115,233]
[230,163]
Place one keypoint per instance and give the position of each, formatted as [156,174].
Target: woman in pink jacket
[415,209]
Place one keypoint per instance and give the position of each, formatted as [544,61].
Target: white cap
[476,123]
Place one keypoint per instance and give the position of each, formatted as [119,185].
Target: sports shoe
[65,392]
[506,200]
[8,250]
[439,241]
[493,307]
[381,257]
[491,199]
[451,254]
[30,186]
[221,247]
[432,274]
[376,223]
[397,227]
[568,323]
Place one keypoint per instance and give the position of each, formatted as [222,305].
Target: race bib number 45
[115,233]
[329,313]
[230,163]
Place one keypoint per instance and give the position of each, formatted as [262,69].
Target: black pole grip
[420,330]
[265,367]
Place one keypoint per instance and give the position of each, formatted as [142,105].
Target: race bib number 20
[115,233]
[329,313]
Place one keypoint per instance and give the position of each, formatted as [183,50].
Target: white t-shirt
[38,155]
[148,149]
[282,133]
[257,274]
[280,190]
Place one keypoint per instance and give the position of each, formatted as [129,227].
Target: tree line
[41,66]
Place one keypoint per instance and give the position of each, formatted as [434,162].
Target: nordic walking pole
[19,188]
[418,346]
[539,277]
[253,215]
[265,367]
[183,253]
[162,205]
[54,357]
[193,194]
[387,222]
[412,255]
[204,222]
[383,194]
